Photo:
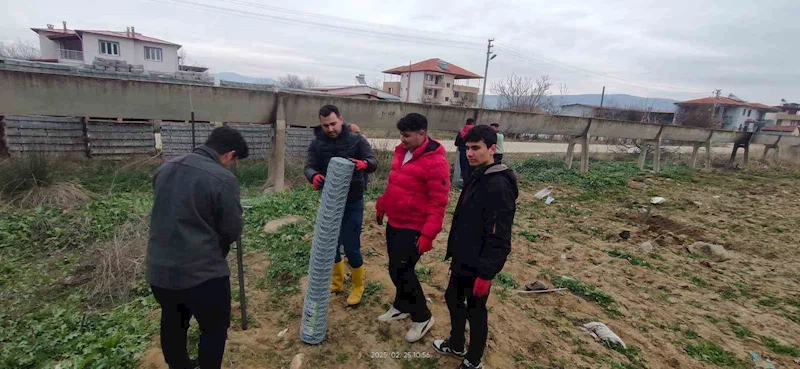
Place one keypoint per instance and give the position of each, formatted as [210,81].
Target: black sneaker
[467,365]
[193,364]
[443,347]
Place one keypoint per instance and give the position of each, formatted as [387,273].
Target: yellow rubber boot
[337,280]
[357,278]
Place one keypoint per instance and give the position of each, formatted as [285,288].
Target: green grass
[372,292]
[506,281]
[706,351]
[634,260]
[424,273]
[699,282]
[602,175]
[588,292]
[632,352]
[779,348]
[530,236]
[740,331]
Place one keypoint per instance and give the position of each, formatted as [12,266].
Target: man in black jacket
[479,243]
[334,139]
[463,165]
[196,216]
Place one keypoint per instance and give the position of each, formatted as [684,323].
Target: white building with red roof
[731,112]
[433,81]
[80,46]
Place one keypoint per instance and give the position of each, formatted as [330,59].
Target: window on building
[749,111]
[429,91]
[109,48]
[429,77]
[455,94]
[446,98]
[716,111]
[448,85]
[780,122]
[152,53]
[390,90]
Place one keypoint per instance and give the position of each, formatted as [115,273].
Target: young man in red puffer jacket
[414,201]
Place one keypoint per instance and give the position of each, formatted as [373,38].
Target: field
[72,246]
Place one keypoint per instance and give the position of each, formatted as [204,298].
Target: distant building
[83,46]
[782,130]
[729,112]
[611,112]
[788,115]
[433,81]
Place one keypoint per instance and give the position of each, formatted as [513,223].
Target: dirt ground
[671,310]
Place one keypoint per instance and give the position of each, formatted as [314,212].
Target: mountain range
[492,101]
[617,100]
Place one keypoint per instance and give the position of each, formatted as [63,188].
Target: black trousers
[209,303]
[401,244]
[498,158]
[464,306]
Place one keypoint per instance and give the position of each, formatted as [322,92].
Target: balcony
[67,54]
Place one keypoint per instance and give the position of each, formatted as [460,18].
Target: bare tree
[183,58]
[294,81]
[311,82]
[524,94]
[697,116]
[21,49]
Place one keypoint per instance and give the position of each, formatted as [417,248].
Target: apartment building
[434,81]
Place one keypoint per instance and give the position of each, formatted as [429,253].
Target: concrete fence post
[643,153]
[570,152]
[277,164]
[708,154]
[657,153]
[695,150]
[87,145]
[585,148]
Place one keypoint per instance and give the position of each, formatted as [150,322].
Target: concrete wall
[120,139]
[62,95]
[44,134]
[169,54]
[577,111]
[91,48]
[48,48]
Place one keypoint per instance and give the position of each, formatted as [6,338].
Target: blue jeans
[350,234]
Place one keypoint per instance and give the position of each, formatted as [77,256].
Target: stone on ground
[273,225]
[709,250]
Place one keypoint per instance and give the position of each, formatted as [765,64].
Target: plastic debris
[536,286]
[549,200]
[545,192]
[281,333]
[760,362]
[601,332]
[714,252]
[657,200]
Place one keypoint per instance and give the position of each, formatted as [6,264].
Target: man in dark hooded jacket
[334,139]
[479,243]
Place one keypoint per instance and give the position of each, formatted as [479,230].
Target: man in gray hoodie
[196,216]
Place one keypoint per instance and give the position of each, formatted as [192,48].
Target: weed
[632,352]
[342,357]
[712,353]
[589,292]
[424,273]
[740,331]
[371,291]
[530,236]
[779,348]
[699,282]
[691,333]
[634,260]
[655,256]
[769,301]
[506,280]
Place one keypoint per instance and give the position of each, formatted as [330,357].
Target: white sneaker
[392,315]
[418,330]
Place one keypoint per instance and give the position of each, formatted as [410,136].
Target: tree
[21,49]
[525,94]
[183,58]
[294,81]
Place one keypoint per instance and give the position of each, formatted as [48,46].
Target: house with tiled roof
[727,112]
[81,46]
[433,81]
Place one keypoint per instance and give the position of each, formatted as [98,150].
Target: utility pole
[486,70]
[602,96]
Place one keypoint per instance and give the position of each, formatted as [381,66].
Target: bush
[20,175]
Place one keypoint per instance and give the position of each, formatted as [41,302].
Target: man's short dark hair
[225,139]
[495,125]
[470,121]
[482,133]
[412,122]
[327,110]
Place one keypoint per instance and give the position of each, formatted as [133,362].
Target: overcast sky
[674,49]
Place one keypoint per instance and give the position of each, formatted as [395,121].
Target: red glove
[481,287]
[318,181]
[360,164]
[424,245]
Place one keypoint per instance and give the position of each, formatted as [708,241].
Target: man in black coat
[479,243]
[196,216]
[334,139]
